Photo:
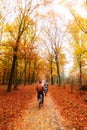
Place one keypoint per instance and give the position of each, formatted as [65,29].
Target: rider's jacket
[39,88]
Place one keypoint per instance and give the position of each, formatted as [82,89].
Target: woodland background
[43,40]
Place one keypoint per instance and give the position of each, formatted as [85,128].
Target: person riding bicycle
[46,88]
[40,90]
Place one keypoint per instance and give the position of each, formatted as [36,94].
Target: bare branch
[79,23]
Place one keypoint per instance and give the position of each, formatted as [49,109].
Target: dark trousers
[38,96]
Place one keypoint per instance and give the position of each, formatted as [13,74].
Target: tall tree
[22,23]
[55,38]
[79,47]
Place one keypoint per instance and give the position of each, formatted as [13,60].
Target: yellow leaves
[62,56]
[79,49]
[7,27]
[54,74]
[77,27]
[28,20]
[10,28]
[62,59]
[83,22]
[13,28]
[86,54]
[74,30]
[80,21]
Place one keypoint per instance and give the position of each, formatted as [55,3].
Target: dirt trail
[45,118]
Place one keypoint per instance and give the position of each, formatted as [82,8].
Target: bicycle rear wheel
[40,102]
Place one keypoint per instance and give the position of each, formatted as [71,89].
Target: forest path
[45,118]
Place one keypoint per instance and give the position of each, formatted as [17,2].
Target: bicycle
[40,99]
[45,90]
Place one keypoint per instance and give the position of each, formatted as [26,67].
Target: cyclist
[40,90]
[46,88]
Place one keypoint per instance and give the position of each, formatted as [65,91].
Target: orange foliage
[72,106]
[13,105]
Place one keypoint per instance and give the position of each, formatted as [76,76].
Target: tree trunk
[51,71]
[25,72]
[33,74]
[4,73]
[58,71]
[11,73]
[80,67]
[72,87]
[13,67]
[29,75]
[33,77]
[7,76]
[16,76]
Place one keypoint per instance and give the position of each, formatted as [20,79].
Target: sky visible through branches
[60,9]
